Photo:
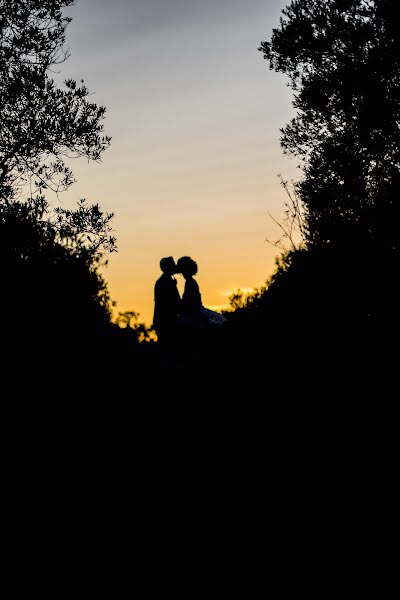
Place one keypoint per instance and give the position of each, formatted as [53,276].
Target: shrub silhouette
[54,300]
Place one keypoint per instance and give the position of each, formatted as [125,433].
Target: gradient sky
[194,114]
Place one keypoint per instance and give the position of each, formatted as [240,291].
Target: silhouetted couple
[180,323]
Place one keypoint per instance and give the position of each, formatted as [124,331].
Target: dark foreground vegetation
[329,314]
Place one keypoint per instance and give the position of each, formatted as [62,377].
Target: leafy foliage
[41,124]
[54,298]
[55,303]
[343,61]
[332,303]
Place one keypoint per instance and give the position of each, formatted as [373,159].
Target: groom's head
[168,266]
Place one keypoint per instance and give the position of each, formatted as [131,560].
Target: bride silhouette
[193,315]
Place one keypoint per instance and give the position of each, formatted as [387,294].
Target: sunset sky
[194,114]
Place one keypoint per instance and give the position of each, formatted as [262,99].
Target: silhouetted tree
[41,124]
[54,302]
[343,61]
[329,311]
[53,298]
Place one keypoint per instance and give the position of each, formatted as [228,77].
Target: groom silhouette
[167,302]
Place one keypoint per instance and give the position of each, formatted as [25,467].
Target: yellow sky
[194,114]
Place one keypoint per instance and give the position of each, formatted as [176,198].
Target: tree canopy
[44,125]
[41,124]
[331,307]
[53,293]
[343,62]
